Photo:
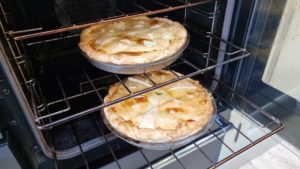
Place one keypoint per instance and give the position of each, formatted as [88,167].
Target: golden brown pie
[166,114]
[133,41]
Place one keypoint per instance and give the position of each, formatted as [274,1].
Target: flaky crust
[133,41]
[167,114]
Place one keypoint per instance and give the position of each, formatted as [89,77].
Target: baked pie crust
[133,41]
[167,114]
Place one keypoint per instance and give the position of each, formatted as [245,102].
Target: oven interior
[65,92]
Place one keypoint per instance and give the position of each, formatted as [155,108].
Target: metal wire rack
[176,157]
[141,10]
[20,39]
[89,86]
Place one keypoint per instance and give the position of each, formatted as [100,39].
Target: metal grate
[52,112]
[218,131]
[140,10]
[63,105]
[18,39]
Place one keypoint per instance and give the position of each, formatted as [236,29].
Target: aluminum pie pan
[138,68]
[165,145]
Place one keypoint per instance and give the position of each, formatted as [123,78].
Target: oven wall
[20,140]
[262,27]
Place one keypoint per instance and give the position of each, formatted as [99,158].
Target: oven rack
[141,10]
[46,118]
[222,126]
[33,37]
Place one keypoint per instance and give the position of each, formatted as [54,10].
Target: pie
[166,114]
[131,41]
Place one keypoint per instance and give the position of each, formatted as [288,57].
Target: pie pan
[138,68]
[164,145]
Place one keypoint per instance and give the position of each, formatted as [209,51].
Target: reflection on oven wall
[261,37]
[263,30]
[282,70]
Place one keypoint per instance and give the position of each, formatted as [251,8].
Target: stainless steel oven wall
[21,139]
[260,33]
[16,117]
